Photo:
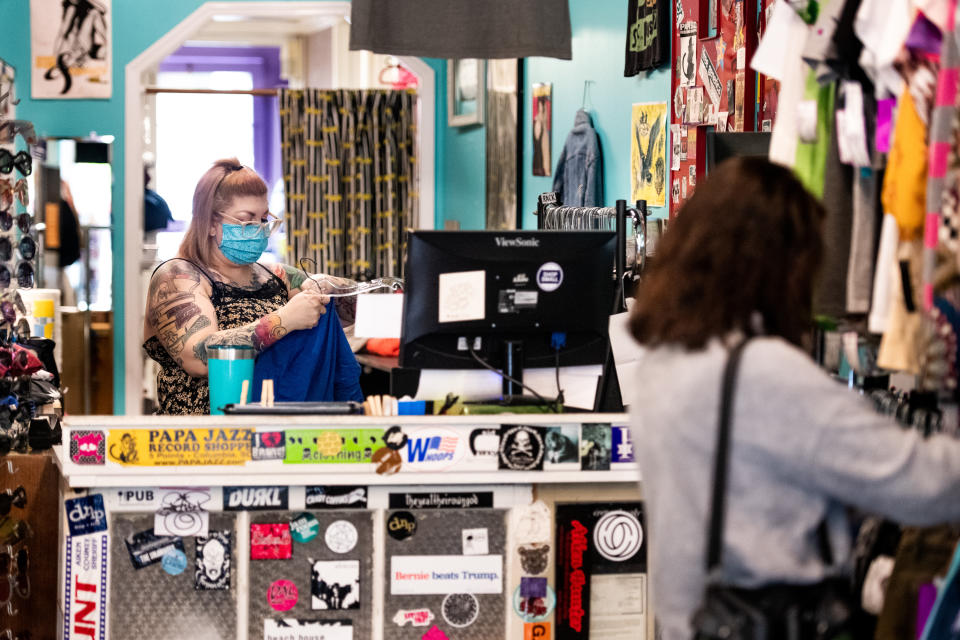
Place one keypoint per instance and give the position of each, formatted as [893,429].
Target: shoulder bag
[819,611]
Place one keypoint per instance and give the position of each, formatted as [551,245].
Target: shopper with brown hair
[740,260]
[216,293]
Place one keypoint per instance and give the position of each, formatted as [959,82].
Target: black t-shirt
[648,35]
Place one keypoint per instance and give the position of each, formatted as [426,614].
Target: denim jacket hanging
[579,176]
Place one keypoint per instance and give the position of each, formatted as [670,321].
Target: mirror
[465,91]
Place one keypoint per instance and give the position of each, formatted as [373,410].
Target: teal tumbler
[227,367]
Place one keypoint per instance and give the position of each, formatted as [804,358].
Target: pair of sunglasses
[23,220]
[11,498]
[27,248]
[7,634]
[14,531]
[26,277]
[17,360]
[9,189]
[21,161]
[19,582]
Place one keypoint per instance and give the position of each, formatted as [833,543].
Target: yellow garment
[905,184]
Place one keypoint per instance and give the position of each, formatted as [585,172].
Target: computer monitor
[485,289]
[721,146]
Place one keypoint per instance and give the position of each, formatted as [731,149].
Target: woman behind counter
[216,293]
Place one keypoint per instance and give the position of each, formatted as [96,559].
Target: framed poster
[542,114]
[648,153]
[465,84]
[70,48]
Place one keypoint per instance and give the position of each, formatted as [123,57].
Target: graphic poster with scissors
[70,48]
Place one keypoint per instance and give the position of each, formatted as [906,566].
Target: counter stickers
[388,461]
[601,569]
[307,629]
[401,525]
[476,542]
[534,557]
[268,445]
[335,584]
[442,500]
[85,587]
[536,631]
[304,528]
[441,575]
[271,541]
[166,447]
[534,608]
[435,633]
[255,498]
[395,438]
[174,562]
[562,446]
[521,448]
[549,276]
[282,595]
[485,442]
[595,443]
[460,609]
[212,571]
[533,587]
[88,447]
[621,446]
[86,515]
[134,499]
[433,449]
[327,446]
[146,548]
[416,617]
[341,536]
[344,497]
[183,512]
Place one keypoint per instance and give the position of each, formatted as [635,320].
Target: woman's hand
[303,311]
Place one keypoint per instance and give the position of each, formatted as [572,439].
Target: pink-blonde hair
[224,181]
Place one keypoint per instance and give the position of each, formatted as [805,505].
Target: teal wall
[137,24]
[599,31]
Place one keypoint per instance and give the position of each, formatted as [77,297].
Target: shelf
[466,465]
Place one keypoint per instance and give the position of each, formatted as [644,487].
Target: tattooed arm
[297,281]
[181,314]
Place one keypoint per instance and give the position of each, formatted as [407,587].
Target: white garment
[883,27]
[885,276]
[937,11]
[778,56]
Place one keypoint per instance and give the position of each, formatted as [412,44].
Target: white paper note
[462,296]
[379,315]
[476,542]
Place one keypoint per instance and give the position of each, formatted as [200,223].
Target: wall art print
[648,157]
[70,48]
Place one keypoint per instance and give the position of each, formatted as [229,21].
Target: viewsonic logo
[517,242]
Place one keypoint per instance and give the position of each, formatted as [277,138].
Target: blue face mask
[239,249]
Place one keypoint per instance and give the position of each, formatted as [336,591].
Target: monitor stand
[513,395]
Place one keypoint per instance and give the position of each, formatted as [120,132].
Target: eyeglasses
[23,220]
[13,531]
[25,276]
[255,229]
[21,161]
[9,189]
[27,248]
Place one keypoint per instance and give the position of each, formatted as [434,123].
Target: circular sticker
[341,536]
[618,536]
[521,449]
[549,276]
[387,460]
[174,562]
[401,525]
[534,609]
[329,443]
[282,595]
[304,528]
[460,609]
[395,438]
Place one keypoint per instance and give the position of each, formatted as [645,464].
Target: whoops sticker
[416,617]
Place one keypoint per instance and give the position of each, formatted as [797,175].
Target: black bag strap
[722,457]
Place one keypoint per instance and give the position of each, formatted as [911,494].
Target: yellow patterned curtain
[349,166]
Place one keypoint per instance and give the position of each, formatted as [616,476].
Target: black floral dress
[178,392]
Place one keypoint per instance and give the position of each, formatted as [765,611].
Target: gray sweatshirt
[803,447]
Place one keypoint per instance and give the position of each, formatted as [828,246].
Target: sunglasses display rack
[30,406]
[352,527]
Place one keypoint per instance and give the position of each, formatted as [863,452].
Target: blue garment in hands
[311,365]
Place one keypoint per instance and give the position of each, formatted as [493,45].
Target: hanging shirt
[311,365]
[648,35]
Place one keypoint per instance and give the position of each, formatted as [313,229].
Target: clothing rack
[226,92]
[551,215]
